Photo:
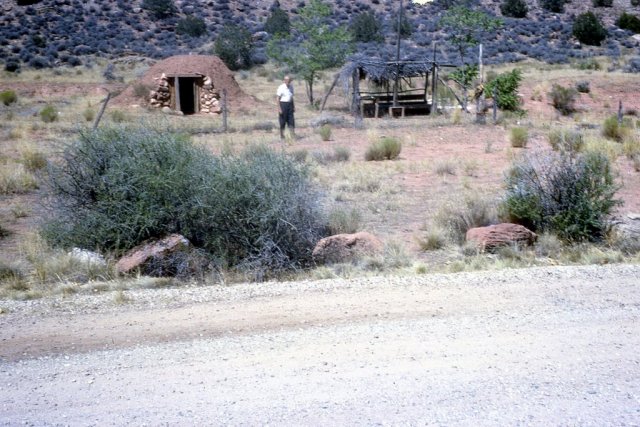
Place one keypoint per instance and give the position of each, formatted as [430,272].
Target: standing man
[286,107]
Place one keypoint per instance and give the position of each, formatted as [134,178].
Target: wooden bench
[385,102]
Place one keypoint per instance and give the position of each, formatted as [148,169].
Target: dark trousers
[286,116]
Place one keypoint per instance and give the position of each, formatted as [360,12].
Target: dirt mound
[207,65]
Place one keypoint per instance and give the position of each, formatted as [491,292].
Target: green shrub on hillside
[278,22]
[566,194]
[588,29]
[160,8]
[8,97]
[614,130]
[556,6]
[365,27]
[602,3]
[233,45]
[563,99]
[630,22]
[191,26]
[119,186]
[514,8]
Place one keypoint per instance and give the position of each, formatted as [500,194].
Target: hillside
[69,32]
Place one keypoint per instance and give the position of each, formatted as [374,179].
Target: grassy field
[448,168]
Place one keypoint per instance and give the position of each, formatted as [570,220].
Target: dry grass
[372,195]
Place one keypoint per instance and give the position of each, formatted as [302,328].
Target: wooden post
[104,106]
[434,83]
[494,94]
[355,105]
[620,115]
[178,106]
[224,110]
[395,84]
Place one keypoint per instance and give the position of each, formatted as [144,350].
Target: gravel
[514,347]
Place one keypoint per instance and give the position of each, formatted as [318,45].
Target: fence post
[495,106]
[620,112]
[224,110]
[104,105]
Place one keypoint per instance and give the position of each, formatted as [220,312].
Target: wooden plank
[177,86]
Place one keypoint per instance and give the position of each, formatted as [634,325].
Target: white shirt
[285,93]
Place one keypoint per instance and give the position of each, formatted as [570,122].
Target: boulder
[498,236]
[87,257]
[149,255]
[346,247]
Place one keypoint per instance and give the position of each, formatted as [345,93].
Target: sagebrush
[121,185]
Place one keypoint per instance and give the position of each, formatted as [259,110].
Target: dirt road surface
[543,346]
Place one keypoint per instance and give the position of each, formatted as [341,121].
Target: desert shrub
[344,221]
[556,6]
[386,148]
[602,3]
[160,9]
[514,8]
[119,186]
[15,179]
[32,159]
[278,22]
[12,65]
[460,215]
[191,26]
[118,116]
[589,64]
[630,22]
[325,132]
[49,114]
[569,195]
[234,45]
[563,99]
[433,238]
[405,28]
[566,140]
[588,29]
[614,130]
[365,27]
[8,97]
[342,154]
[88,114]
[519,137]
[506,87]
[583,86]
[631,147]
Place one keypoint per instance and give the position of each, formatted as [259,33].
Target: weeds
[344,221]
[14,178]
[387,148]
[8,97]
[458,216]
[325,132]
[519,137]
[49,114]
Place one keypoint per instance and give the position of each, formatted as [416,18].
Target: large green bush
[119,186]
[234,45]
[588,29]
[159,8]
[278,22]
[630,22]
[569,194]
[365,27]
[506,88]
[556,6]
[514,8]
[191,26]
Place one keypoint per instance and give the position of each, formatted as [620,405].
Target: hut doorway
[187,96]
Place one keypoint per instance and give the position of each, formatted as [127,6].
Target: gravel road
[541,346]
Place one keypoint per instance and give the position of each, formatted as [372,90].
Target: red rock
[346,247]
[140,256]
[501,235]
